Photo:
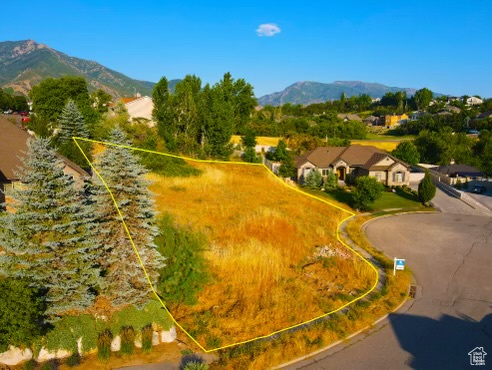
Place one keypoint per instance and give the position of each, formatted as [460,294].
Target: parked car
[24,113]
[26,119]
[8,111]
[479,189]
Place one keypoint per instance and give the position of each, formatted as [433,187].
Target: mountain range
[308,92]
[24,64]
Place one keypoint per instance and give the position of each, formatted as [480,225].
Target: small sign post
[399,264]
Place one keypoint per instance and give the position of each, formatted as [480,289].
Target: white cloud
[268,29]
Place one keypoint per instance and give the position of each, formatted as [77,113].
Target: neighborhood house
[14,146]
[391,120]
[350,162]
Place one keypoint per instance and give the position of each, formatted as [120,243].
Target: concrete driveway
[451,257]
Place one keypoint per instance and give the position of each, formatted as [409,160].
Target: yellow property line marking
[350,215]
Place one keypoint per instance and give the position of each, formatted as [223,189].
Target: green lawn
[372,136]
[396,200]
[388,200]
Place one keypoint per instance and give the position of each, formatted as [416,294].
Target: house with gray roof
[349,117]
[350,162]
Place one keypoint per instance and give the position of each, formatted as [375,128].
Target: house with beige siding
[350,162]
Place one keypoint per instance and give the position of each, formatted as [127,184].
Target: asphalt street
[451,257]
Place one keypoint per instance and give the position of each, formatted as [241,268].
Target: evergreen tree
[124,281]
[49,239]
[427,190]
[331,182]
[313,180]
[71,124]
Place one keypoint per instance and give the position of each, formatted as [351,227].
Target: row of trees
[200,120]
[69,243]
[13,102]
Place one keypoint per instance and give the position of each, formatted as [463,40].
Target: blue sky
[443,45]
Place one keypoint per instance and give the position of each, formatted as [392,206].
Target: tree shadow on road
[443,343]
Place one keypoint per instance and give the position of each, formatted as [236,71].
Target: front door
[341,173]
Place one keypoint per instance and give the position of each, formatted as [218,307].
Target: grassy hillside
[265,251]
[24,64]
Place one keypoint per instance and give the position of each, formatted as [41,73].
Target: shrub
[168,166]
[69,329]
[186,271]
[196,365]
[367,190]
[50,365]
[29,365]
[138,319]
[73,360]
[127,335]
[104,345]
[147,334]
[21,311]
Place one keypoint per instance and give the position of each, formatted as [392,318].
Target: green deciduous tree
[367,190]
[124,281]
[423,98]
[51,95]
[198,120]
[407,152]
[49,240]
[100,101]
[427,190]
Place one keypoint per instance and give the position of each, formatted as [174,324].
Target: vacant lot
[272,251]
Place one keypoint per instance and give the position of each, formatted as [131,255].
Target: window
[399,176]
[378,176]
[325,172]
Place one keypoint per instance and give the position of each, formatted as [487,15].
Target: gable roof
[349,116]
[477,349]
[14,146]
[366,157]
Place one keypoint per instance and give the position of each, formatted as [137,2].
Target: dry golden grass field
[263,242]
[386,145]
[272,252]
[260,140]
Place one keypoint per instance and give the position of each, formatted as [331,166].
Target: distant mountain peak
[25,63]
[309,92]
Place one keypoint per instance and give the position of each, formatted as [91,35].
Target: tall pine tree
[50,238]
[124,281]
[71,123]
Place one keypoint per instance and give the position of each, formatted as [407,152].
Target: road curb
[341,341]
